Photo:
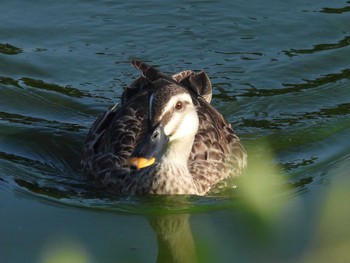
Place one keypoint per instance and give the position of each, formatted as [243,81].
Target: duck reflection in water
[174,237]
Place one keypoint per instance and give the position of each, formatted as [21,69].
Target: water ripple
[345,42]
[292,88]
[9,49]
[340,10]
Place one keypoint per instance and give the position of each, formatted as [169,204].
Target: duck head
[172,125]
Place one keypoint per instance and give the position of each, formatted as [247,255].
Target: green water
[281,76]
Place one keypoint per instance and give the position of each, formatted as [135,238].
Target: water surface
[281,76]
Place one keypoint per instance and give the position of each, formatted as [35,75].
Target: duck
[163,137]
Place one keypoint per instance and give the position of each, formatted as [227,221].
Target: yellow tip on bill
[140,162]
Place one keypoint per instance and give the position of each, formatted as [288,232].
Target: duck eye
[179,105]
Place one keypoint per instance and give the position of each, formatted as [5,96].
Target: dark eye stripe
[167,117]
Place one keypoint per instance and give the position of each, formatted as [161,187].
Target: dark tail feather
[149,72]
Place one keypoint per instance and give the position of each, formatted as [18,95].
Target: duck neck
[174,170]
[179,151]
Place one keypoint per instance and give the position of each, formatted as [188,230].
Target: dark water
[281,75]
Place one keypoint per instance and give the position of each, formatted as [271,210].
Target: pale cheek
[170,126]
[188,127]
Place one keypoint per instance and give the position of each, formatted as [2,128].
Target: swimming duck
[163,138]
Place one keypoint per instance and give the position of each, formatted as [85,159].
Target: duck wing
[217,152]
[112,139]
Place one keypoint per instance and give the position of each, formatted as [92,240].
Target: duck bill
[149,150]
[140,162]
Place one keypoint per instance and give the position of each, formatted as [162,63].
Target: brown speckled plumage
[214,153]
